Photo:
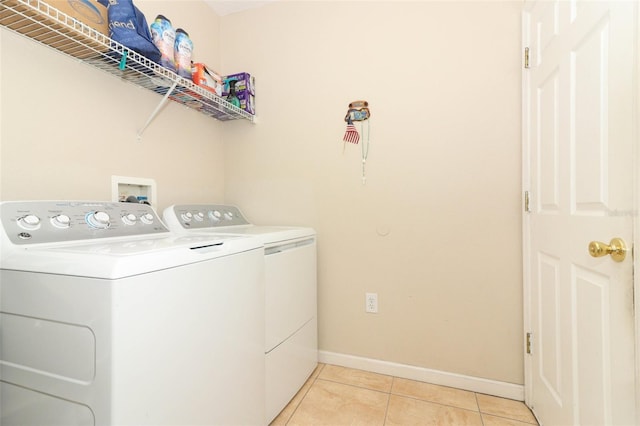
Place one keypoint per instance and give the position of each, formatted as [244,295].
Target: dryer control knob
[61,221]
[228,216]
[186,216]
[98,219]
[213,216]
[129,219]
[199,217]
[147,218]
[29,222]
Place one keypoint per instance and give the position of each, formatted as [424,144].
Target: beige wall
[436,229]
[67,128]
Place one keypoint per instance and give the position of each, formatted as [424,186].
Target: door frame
[636,207]
[526,186]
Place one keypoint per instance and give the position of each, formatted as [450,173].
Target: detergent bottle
[232,98]
[182,53]
[164,36]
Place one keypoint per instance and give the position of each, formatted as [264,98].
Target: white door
[578,138]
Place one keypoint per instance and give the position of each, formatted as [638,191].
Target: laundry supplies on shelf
[205,77]
[164,37]
[128,26]
[243,85]
[182,53]
[71,34]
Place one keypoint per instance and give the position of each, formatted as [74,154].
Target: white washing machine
[291,350]
[107,318]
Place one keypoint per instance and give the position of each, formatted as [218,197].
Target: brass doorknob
[616,248]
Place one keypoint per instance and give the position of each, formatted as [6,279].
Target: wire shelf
[39,21]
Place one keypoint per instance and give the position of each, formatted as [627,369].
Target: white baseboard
[474,384]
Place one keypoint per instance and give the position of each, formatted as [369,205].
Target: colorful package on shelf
[210,80]
[247,101]
[245,90]
[244,82]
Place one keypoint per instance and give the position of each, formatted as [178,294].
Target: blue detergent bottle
[182,53]
[164,36]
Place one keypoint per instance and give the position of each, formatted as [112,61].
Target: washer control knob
[129,219]
[228,216]
[199,217]
[186,216]
[99,219]
[147,218]
[214,215]
[29,222]
[61,221]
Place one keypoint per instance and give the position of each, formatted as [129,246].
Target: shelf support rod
[155,112]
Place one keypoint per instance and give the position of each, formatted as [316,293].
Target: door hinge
[526,202]
[528,343]
[526,57]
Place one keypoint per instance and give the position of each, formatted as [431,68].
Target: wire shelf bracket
[155,112]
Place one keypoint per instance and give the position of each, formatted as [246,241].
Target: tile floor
[338,396]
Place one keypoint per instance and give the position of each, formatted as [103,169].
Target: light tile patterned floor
[338,396]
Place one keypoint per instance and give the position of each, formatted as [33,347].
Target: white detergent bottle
[182,53]
[164,36]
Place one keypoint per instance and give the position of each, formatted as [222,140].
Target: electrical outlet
[371,303]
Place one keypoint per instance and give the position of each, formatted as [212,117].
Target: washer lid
[122,257]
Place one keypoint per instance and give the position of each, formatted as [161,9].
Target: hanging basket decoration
[358,111]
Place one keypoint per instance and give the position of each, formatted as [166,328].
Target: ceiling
[226,7]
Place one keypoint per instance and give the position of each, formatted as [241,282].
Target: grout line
[299,402]
[352,385]
[508,418]
[475,395]
[319,369]
[437,403]
[399,395]
[386,410]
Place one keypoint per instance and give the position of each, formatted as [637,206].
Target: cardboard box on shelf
[58,30]
[203,76]
[89,12]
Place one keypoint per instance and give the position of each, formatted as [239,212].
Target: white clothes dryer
[291,337]
[107,318]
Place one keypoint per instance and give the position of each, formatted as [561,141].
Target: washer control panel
[203,216]
[29,222]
